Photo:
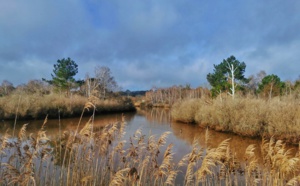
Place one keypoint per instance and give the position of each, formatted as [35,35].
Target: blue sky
[148,43]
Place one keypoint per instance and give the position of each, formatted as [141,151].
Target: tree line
[228,77]
[168,96]
[101,84]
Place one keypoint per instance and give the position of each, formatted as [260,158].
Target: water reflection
[150,121]
[54,125]
[189,132]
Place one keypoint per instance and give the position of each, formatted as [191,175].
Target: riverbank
[87,155]
[251,117]
[53,105]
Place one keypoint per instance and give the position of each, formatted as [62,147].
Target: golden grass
[38,106]
[278,117]
[89,157]
[185,111]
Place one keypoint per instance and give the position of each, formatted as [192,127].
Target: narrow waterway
[150,122]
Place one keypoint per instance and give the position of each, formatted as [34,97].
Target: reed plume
[104,157]
[212,159]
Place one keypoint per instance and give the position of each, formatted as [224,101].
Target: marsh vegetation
[278,117]
[62,96]
[26,106]
[90,155]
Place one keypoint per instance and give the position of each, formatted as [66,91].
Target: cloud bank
[148,43]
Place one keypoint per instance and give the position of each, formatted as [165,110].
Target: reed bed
[91,156]
[38,106]
[253,117]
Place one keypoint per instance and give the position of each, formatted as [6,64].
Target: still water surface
[151,122]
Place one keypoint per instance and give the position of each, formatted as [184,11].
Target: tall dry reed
[254,117]
[38,106]
[103,157]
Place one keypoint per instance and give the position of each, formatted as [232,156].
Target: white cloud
[148,43]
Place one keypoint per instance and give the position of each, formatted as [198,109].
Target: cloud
[279,60]
[25,71]
[148,43]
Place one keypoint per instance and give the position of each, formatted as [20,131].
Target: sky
[148,43]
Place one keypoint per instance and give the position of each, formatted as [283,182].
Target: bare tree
[255,80]
[90,85]
[260,76]
[105,81]
[37,87]
[288,87]
[6,88]
[232,71]
[172,94]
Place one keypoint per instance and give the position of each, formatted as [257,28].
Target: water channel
[151,122]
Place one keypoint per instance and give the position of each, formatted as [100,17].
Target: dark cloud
[148,43]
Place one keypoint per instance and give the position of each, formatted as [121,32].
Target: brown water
[151,121]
